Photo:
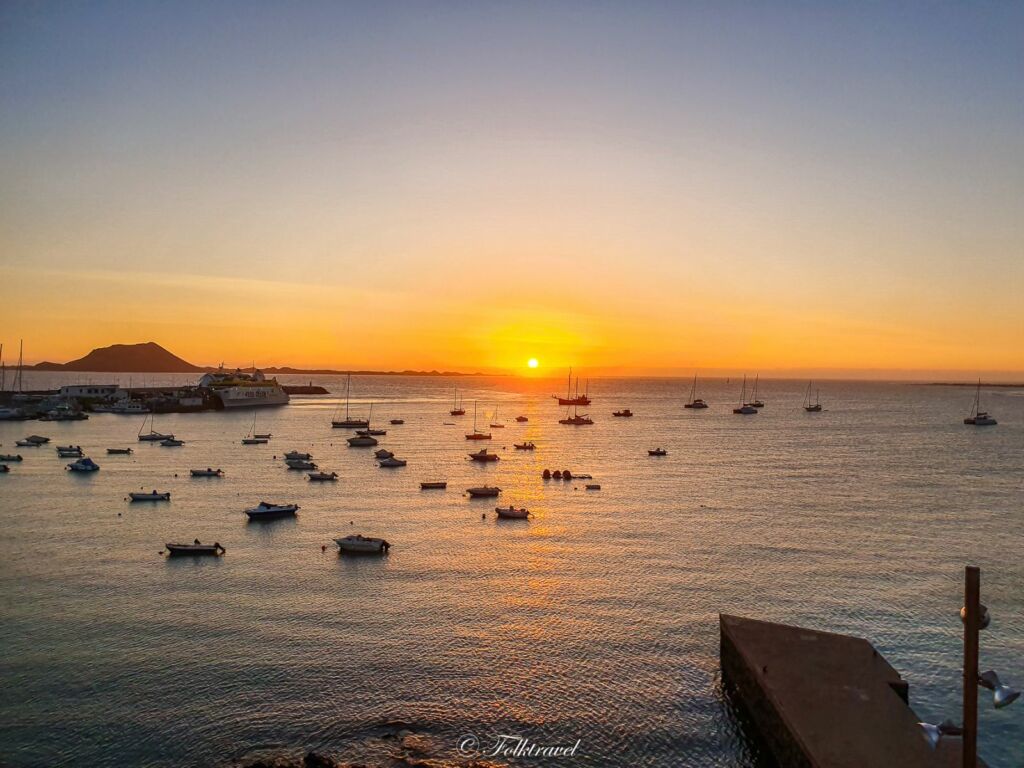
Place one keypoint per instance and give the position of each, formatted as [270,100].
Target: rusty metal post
[972,625]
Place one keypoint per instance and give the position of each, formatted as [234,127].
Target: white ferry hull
[252,397]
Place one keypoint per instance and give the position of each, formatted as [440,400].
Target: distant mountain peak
[145,357]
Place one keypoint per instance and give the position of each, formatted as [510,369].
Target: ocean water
[594,621]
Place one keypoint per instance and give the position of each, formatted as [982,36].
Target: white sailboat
[348,422]
[252,438]
[695,402]
[978,417]
[152,436]
[814,407]
[744,408]
[476,434]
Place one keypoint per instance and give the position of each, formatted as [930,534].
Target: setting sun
[532,362]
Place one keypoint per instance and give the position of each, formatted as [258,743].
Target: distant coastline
[972,384]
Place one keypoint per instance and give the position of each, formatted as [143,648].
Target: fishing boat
[69,452]
[657,452]
[252,438]
[483,491]
[476,434]
[152,436]
[754,401]
[484,455]
[391,462]
[119,451]
[296,455]
[196,548]
[84,465]
[576,419]
[570,398]
[511,513]
[302,464]
[522,419]
[323,477]
[362,545]
[171,442]
[208,472]
[810,407]
[266,511]
[624,412]
[744,408]
[978,417]
[397,421]
[524,446]
[362,441]
[494,418]
[457,409]
[433,485]
[151,496]
[694,401]
[10,457]
[382,453]
[348,422]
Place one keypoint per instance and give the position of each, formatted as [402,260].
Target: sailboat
[457,409]
[252,438]
[695,402]
[348,422]
[152,436]
[578,399]
[744,407]
[494,418]
[475,434]
[814,407]
[754,402]
[369,432]
[576,420]
[978,417]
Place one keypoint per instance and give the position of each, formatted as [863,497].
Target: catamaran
[814,407]
[978,417]
[348,422]
[695,402]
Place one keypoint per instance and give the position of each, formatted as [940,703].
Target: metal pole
[972,620]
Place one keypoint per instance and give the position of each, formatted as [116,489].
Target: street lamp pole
[972,624]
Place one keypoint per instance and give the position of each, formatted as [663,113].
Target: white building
[101,391]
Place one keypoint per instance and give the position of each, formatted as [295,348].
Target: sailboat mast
[348,386]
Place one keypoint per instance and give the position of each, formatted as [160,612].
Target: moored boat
[576,419]
[398,421]
[69,452]
[323,477]
[383,453]
[151,496]
[83,465]
[657,452]
[195,548]
[119,451]
[10,457]
[362,441]
[208,472]
[695,402]
[349,422]
[172,443]
[524,446]
[37,439]
[457,409]
[298,455]
[391,462]
[814,407]
[484,455]
[299,464]
[511,513]
[978,417]
[255,441]
[744,408]
[357,544]
[483,491]
[624,412]
[433,485]
[521,419]
[265,510]
[476,434]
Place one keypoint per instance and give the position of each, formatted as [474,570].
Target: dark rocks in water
[316,760]
[311,760]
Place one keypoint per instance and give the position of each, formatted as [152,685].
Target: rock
[316,760]
[416,743]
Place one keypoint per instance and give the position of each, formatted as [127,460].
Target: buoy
[323,547]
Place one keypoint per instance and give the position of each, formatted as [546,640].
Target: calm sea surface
[596,620]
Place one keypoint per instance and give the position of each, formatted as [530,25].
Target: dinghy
[398,421]
[295,455]
[525,446]
[151,496]
[265,511]
[119,451]
[432,485]
[300,464]
[10,457]
[362,545]
[208,472]
[195,548]
[323,477]
[511,513]
[483,491]
[392,462]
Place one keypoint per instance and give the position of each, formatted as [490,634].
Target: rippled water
[596,620]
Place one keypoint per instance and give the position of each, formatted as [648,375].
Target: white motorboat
[69,452]
[84,465]
[265,510]
[483,491]
[208,472]
[151,496]
[323,477]
[383,453]
[511,513]
[362,441]
[195,548]
[296,455]
[300,464]
[362,545]
[392,462]
[484,455]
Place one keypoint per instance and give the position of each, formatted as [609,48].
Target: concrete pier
[824,700]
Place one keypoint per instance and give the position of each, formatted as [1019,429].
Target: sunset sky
[622,187]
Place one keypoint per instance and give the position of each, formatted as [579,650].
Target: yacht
[362,545]
[84,465]
[243,390]
[978,417]
[496,424]
[511,513]
[744,408]
[570,398]
[476,434]
[754,401]
[349,422]
[457,409]
[814,407]
[484,455]
[152,436]
[252,438]
[576,419]
[694,401]
[265,511]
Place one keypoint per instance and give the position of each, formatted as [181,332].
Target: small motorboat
[398,421]
[171,443]
[433,485]
[253,440]
[265,511]
[323,477]
[300,464]
[522,419]
[151,496]
[26,444]
[593,486]
[296,455]
[392,462]
[484,455]
[10,457]
[362,441]
[37,439]
[208,472]
[119,451]
[69,452]
[382,453]
[478,436]
[483,491]
[658,452]
[362,545]
[195,548]
[263,436]
[525,446]
[83,465]
[624,412]
[698,403]
[746,409]
[371,432]
[511,513]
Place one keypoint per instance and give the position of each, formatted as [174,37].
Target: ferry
[243,390]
